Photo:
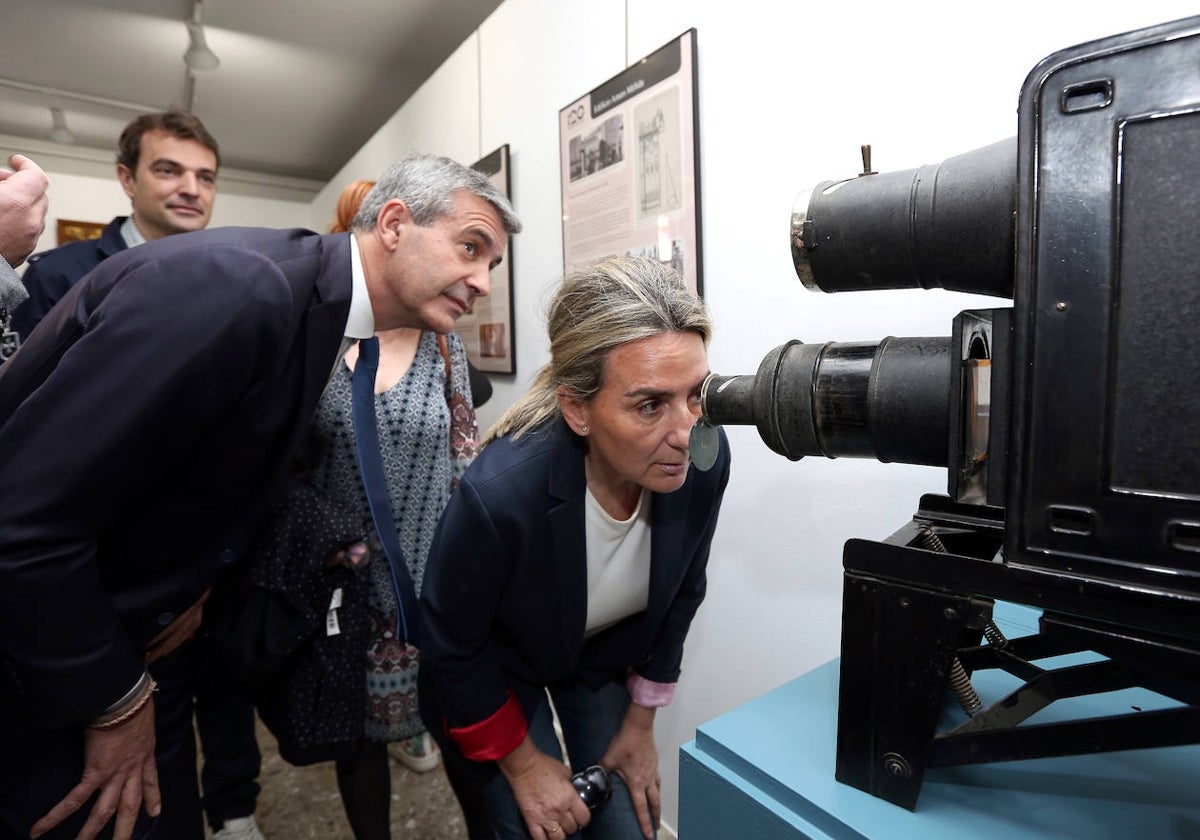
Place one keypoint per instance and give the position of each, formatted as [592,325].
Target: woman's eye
[470,246]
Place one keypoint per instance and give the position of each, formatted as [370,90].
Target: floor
[302,802]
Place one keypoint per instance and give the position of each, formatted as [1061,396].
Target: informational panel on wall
[630,158]
[487,330]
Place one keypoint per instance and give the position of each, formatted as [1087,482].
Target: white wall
[788,92]
[441,118]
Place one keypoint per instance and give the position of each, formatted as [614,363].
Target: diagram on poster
[630,152]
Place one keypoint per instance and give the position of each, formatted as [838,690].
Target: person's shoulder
[245,255]
[511,479]
[272,243]
[245,265]
[73,258]
[509,462]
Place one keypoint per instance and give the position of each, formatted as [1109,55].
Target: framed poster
[70,230]
[630,173]
[487,330]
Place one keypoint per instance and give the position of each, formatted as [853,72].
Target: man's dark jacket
[145,425]
[141,428]
[51,274]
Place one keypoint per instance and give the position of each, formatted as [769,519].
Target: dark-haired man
[167,164]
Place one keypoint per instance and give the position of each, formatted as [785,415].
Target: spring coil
[995,638]
[931,541]
[960,684]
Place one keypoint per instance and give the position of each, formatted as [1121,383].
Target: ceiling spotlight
[59,133]
[198,55]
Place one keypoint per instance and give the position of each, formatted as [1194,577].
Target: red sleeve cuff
[494,737]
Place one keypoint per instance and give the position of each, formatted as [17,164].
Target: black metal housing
[887,400]
[945,226]
[1067,422]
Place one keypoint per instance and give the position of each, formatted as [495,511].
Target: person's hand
[352,556]
[178,631]
[23,205]
[633,755]
[542,787]
[119,763]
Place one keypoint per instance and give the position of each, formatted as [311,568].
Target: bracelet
[128,697]
[138,704]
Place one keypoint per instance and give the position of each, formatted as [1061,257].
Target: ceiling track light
[198,55]
[59,132]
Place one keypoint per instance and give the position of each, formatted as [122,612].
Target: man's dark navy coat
[143,425]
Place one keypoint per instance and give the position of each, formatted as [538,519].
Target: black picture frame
[488,331]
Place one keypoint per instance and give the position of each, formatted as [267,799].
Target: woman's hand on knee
[633,755]
[542,787]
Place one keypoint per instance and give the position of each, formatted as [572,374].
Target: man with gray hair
[149,420]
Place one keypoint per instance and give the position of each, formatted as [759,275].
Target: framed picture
[630,165]
[70,230]
[487,330]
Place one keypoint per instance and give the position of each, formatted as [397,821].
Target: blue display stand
[765,770]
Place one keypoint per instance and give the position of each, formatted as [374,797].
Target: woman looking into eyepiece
[570,562]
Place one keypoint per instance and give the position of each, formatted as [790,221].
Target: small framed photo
[487,330]
[70,230]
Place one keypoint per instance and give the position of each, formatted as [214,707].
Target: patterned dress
[414,439]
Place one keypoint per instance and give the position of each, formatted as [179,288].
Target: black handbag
[293,628]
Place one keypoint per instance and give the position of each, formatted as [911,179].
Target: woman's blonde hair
[609,303]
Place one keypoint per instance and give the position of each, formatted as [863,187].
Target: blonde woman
[570,562]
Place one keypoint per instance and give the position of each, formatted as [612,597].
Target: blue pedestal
[765,771]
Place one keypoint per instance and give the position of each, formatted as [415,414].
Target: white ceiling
[301,86]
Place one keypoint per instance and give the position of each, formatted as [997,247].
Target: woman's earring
[585,430]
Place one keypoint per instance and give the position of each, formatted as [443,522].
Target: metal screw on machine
[895,765]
